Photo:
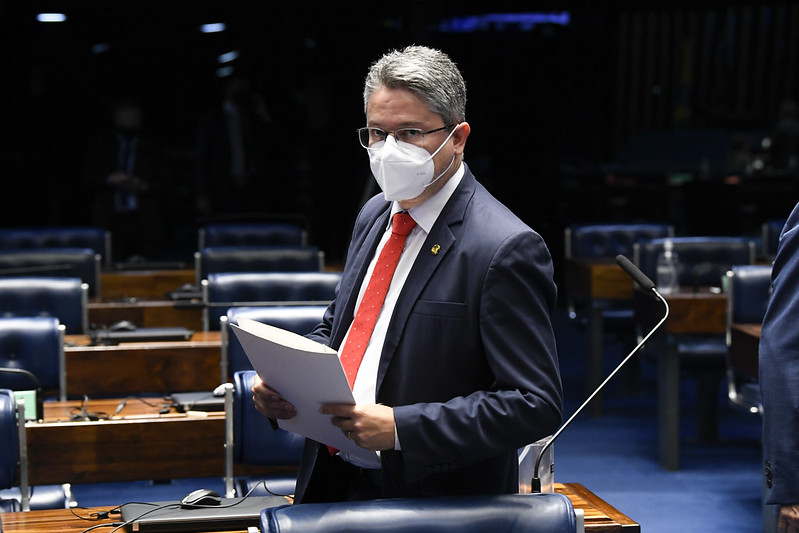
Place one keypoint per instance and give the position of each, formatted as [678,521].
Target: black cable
[98,526]
[84,414]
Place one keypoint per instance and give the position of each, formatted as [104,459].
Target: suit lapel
[366,250]
[442,238]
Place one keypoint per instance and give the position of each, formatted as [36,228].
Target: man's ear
[460,136]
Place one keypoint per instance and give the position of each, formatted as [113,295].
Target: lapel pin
[434,250]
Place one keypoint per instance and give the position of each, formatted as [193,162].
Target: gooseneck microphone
[645,283]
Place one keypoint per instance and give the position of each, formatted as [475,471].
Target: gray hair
[428,73]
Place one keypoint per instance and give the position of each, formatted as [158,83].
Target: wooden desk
[137,444]
[593,280]
[149,313]
[144,284]
[599,516]
[136,367]
[690,312]
[744,347]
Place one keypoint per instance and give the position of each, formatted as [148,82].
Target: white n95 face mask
[402,170]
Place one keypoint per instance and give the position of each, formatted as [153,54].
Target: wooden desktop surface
[136,367]
[599,516]
[138,443]
[690,311]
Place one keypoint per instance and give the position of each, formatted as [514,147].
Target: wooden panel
[146,284]
[132,368]
[597,279]
[689,312]
[137,444]
[148,314]
[120,450]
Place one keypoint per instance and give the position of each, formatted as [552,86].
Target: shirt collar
[427,213]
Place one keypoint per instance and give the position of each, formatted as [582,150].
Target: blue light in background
[51,17]
[228,57]
[503,21]
[215,27]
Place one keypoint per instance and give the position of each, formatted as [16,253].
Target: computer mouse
[123,325]
[201,497]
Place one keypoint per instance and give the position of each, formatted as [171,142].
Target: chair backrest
[63,298]
[34,344]
[300,319]
[81,263]
[230,289]
[749,292]
[748,289]
[9,439]
[255,441]
[512,513]
[252,234]
[14,461]
[257,259]
[703,261]
[97,239]
[610,240]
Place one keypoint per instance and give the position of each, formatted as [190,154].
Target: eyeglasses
[369,136]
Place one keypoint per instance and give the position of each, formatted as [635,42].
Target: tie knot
[402,223]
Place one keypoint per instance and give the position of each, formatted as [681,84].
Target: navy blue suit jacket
[469,362]
[779,371]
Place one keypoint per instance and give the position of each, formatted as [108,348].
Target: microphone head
[634,272]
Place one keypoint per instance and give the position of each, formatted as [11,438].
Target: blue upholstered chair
[81,263]
[16,494]
[605,319]
[229,289]
[300,319]
[748,291]
[34,345]
[703,262]
[606,241]
[31,238]
[214,259]
[256,442]
[509,513]
[63,298]
[252,234]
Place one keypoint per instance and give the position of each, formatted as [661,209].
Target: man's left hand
[370,426]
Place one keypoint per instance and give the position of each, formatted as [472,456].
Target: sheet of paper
[303,372]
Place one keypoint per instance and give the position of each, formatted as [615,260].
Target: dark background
[553,108]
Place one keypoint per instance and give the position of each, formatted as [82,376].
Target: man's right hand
[270,403]
[789,519]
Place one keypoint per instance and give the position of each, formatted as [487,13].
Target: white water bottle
[667,281]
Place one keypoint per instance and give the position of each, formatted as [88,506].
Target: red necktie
[364,322]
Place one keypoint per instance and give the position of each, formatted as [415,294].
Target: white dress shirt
[425,215]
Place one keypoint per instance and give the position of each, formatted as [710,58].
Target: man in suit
[779,379]
[124,169]
[461,368]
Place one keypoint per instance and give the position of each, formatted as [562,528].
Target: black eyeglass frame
[369,129]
